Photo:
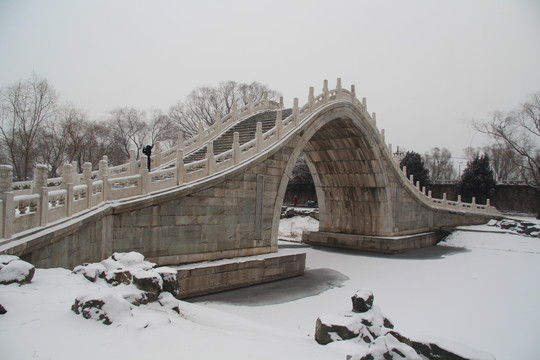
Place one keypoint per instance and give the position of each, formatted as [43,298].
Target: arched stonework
[350,178]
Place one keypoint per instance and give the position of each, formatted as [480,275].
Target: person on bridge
[147,150]
[295,201]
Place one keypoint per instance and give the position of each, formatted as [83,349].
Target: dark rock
[366,326]
[170,280]
[362,301]
[140,298]
[531,230]
[289,213]
[2,310]
[388,324]
[148,281]
[428,350]
[117,277]
[507,224]
[323,332]
[389,348]
[91,309]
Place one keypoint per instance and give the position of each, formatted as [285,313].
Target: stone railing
[27,205]
[444,203]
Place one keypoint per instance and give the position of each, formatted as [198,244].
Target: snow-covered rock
[132,261]
[370,328]
[15,270]
[362,300]
[288,212]
[169,302]
[91,271]
[439,350]
[364,322]
[118,276]
[387,347]
[517,226]
[366,326]
[104,306]
[131,258]
[130,278]
[170,280]
[149,281]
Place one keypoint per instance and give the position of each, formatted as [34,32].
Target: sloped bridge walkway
[219,194]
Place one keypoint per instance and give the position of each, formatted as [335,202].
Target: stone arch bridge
[219,194]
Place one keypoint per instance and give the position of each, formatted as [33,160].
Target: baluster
[236,147]
[157,157]
[180,169]
[295,112]
[200,134]
[311,99]
[234,113]
[217,122]
[210,162]
[132,161]
[258,137]
[279,124]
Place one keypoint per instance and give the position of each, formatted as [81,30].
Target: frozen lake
[478,289]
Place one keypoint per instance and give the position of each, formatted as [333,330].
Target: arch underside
[349,179]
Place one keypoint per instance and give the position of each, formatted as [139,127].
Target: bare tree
[203,103]
[163,128]
[519,130]
[52,143]
[99,141]
[128,126]
[78,133]
[439,163]
[472,153]
[505,162]
[24,107]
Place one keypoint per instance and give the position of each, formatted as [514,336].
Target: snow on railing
[30,204]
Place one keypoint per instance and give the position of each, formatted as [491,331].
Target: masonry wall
[87,240]
[228,219]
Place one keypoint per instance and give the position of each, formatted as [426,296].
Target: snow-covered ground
[477,289]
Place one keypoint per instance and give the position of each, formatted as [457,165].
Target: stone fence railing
[31,204]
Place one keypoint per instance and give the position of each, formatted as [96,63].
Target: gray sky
[426,67]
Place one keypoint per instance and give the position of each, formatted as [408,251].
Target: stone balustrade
[30,204]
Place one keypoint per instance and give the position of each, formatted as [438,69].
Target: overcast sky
[427,68]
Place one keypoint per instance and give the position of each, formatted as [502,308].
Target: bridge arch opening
[301,186]
[349,174]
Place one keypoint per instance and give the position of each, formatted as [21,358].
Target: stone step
[246,131]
